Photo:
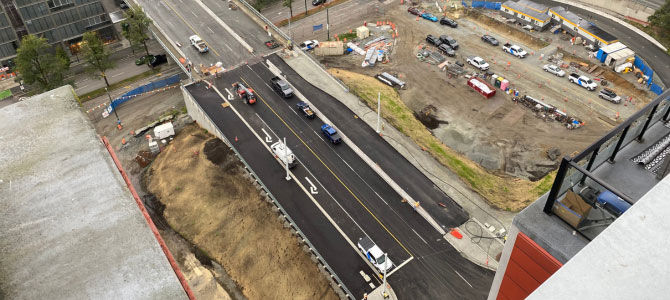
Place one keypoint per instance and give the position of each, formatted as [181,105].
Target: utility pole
[328,24]
[288,177]
[305,7]
[111,104]
[379,110]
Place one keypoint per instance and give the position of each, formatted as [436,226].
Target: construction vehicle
[374,254]
[246,94]
[198,43]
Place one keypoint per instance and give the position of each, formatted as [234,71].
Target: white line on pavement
[417,234]
[210,29]
[400,266]
[116,75]
[459,274]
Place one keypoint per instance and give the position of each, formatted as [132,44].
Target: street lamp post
[288,176]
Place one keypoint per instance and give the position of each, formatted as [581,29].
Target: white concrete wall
[504,260]
[625,8]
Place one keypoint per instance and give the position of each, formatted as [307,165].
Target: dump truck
[281,87]
[374,254]
[246,94]
[284,154]
[198,43]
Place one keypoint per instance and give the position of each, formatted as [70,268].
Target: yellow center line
[191,27]
[331,171]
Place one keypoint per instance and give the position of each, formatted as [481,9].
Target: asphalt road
[655,57]
[355,197]
[180,19]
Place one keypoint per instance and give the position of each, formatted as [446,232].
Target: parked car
[490,39]
[514,50]
[309,45]
[609,95]
[445,39]
[158,60]
[446,49]
[318,2]
[553,69]
[449,22]
[429,17]
[582,81]
[433,40]
[528,27]
[143,60]
[331,134]
[413,10]
[478,63]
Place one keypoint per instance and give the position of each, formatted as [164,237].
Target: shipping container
[482,87]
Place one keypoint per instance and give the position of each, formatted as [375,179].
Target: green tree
[661,17]
[136,27]
[60,53]
[289,4]
[38,64]
[97,55]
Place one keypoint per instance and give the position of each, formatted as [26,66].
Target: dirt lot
[210,203]
[497,133]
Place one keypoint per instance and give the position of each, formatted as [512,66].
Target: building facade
[61,22]
[577,26]
[527,13]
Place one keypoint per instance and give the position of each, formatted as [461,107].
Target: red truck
[482,87]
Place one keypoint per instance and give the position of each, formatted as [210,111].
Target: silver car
[553,69]
[609,95]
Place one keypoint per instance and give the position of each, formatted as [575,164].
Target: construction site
[518,133]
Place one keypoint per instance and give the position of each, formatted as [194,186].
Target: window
[60,4]
[91,22]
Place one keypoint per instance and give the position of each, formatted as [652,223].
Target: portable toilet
[504,84]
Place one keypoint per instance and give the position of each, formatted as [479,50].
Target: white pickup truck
[375,255]
[582,81]
[198,43]
[478,63]
[514,50]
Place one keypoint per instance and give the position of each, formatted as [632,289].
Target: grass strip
[502,191]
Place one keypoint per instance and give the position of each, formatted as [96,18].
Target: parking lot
[496,132]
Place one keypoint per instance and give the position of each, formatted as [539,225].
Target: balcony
[595,187]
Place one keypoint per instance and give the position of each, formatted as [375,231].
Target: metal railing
[579,168]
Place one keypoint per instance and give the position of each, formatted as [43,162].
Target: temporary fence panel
[144,89]
[656,88]
[486,4]
[646,70]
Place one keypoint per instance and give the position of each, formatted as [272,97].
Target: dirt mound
[210,203]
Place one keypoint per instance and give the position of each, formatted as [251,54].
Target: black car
[413,10]
[158,60]
[318,2]
[446,49]
[445,39]
[449,22]
[489,39]
[433,40]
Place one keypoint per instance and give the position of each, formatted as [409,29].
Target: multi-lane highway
[352,195]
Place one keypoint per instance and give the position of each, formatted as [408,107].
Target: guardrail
[335,282]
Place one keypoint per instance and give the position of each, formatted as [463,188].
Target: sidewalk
[478,244]
[379,292]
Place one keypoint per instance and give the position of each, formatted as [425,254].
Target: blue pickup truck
[331,134]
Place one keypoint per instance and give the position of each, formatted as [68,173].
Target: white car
[553,69]
[309,45]
[478,63]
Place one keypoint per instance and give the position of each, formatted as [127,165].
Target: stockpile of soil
[210,203]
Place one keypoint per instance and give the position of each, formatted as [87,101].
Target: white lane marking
[459,274]
[116,75]
[417,234]
[312,188]
[323,211]
[268,138]
[210,29]
[192,12]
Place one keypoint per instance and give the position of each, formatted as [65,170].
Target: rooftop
[70,228]
[628,162]
[583,24]
[535,10]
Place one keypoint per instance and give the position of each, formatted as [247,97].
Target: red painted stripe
[157,235]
